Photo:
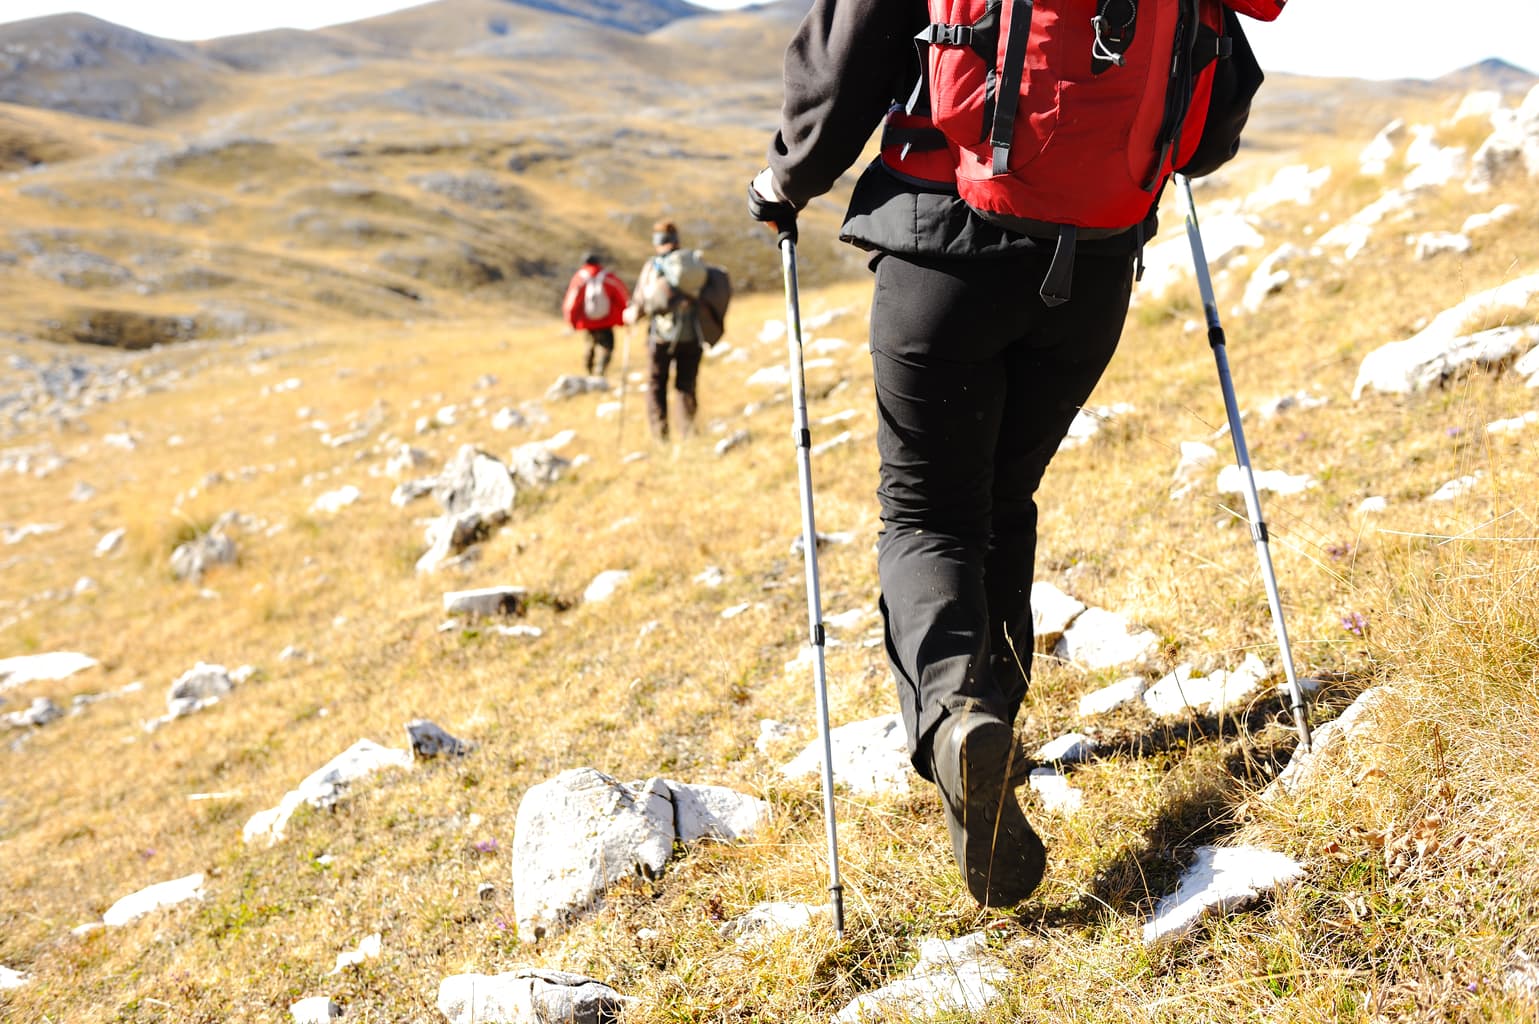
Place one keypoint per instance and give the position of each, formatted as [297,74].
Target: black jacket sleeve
[847,62]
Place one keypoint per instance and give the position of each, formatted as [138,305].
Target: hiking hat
[594,258]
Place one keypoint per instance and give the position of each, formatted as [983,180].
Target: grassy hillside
[350,241]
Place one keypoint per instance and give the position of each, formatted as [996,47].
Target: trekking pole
[1258,530]
[802,435]
[625,372]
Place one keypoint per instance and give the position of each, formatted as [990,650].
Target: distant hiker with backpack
[595,302]
[1024,150]
[685,301]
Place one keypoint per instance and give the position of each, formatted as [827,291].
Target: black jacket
[848,63]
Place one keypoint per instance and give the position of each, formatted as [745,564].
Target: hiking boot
[977,766]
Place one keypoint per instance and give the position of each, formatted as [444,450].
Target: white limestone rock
[11,978]
[1195,458]
[870,757]
[191,560]
[1052,611]
[570,385]
[201,686]
[952,976]
[765,922]
[1458,488]
[1435,243]
[315,1010]
[1441,349]
[1220,692]
[110,542]
[1374,158]
[1480,221]
[368,949]
[1294,184]
[578,834]
[1231,480]
[1070,748]
[1100,639]
[1269,277]
[529,995]
[486,601]
[604,585]
[1089,421]
[325,787]
[1055,792]
[1222,879]
[152,898]
[1326,740]
[1119,694]
[38,714]
[34,668]
[335,501]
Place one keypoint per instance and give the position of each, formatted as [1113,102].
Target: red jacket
[572,304]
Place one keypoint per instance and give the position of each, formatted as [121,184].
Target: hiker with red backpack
[1024,149]
[595,302]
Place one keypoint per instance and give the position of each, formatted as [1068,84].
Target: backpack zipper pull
[1098,48]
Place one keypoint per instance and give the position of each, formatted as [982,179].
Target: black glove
[777,214]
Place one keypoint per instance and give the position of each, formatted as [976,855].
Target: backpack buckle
[948,35]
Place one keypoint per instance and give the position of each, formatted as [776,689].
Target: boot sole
[1001,856]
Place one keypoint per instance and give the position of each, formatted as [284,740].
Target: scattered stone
[1269,277]
[1070,748]
[1055,792]
[765,922]
[571,385]
[474,481]
[799,544]
[110,542]
[1052,611]
[325,787]
[20,533]
[507,419]
[711,576]
[1522,977]
[736,439]
[842,438]
[1480,221]
[409,491]
[428,740]
[200,687]
[518,630]
[604,585]
[1195,458]
[1457,488]
[451,538]
[368,949]
[529,995]
[191,560]
[1087,423]
[1324,741]
[1220,692]
[1231,480]
[1440,350]
[1222,879]
[1513,425]
[952,977]
[537,464]
[1123,692]
[335,501]
[1299,401]
[870,757]
[772,733]
[315,1010]
[1435,243]
[1099,639]
[405,460]
[578,834]
[152,898]
[487,601]
[38,714]
[10,978]
[36,668]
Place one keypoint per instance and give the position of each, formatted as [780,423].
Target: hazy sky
[1352,38]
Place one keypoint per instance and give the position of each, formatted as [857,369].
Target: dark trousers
[601,346]
[977,382]
[684,358]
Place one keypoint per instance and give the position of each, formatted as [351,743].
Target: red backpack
[1063,117]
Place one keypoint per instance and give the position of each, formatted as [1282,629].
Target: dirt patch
[120,328]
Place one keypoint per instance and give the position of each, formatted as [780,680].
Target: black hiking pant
[684,358]
[977,382]
[601,346]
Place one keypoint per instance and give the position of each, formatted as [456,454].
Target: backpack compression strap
[1008,84]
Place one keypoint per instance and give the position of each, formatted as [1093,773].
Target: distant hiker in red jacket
[595,302]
